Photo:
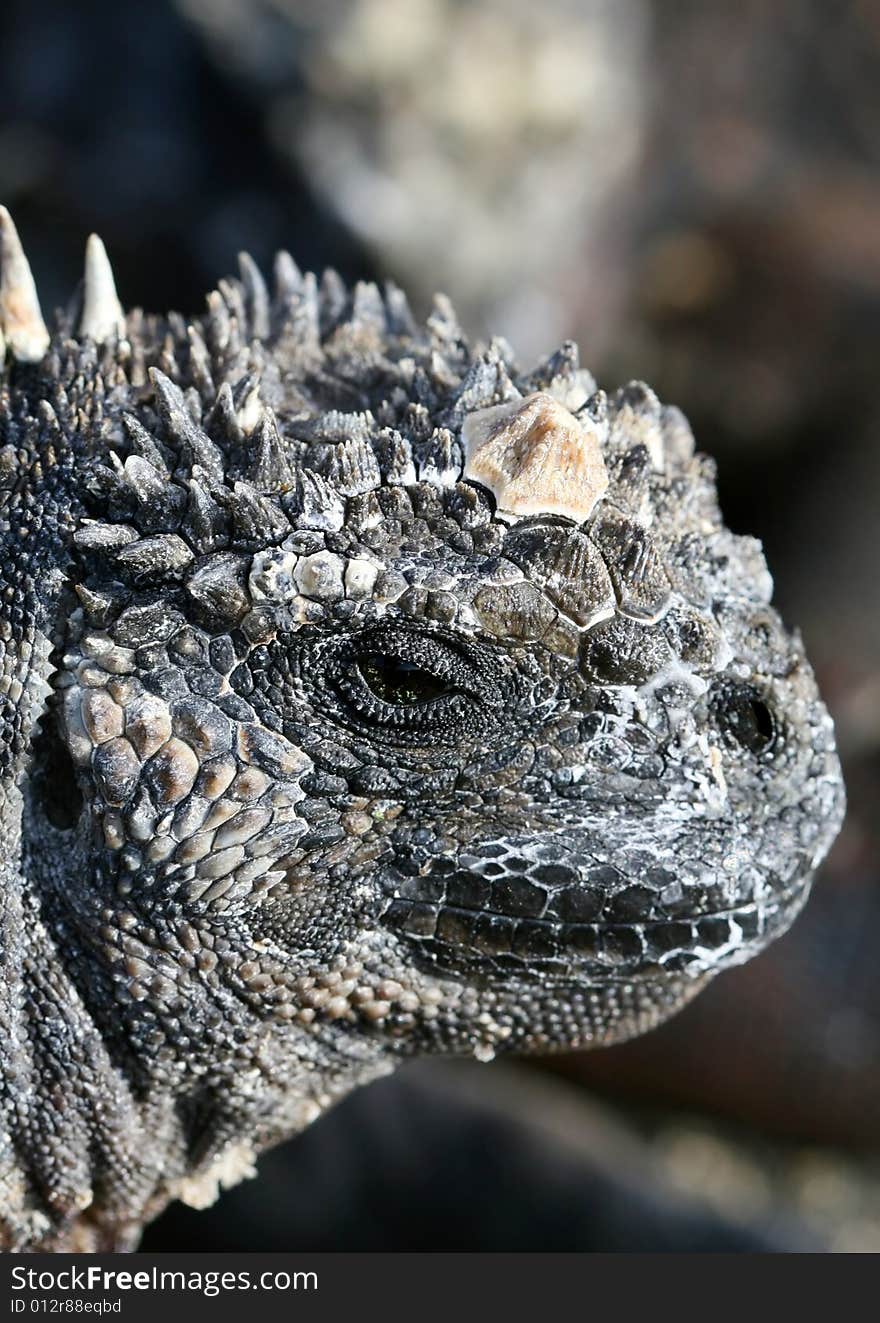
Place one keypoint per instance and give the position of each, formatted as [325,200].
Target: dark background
[691,190]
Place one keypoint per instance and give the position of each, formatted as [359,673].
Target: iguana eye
[404,683]
[391,691]
[745,718]
[414,686]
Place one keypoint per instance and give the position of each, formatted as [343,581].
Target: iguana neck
[109,1110]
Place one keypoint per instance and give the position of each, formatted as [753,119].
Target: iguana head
[406,690]
[401,699]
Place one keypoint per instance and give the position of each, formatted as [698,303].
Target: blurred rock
[485,150]
[756,278]
[454,1156]
[114,119]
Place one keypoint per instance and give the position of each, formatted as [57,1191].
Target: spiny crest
[280,407]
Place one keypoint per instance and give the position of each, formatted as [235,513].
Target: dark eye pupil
[401,682]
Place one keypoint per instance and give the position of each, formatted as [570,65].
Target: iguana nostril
[745,717]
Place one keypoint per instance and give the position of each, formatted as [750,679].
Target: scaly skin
[313,758]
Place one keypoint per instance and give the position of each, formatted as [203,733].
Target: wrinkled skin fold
[329,737]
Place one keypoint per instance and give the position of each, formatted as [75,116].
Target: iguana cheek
[182,797]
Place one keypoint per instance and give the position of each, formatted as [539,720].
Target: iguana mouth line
[488,933]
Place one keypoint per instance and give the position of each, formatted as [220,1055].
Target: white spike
[20,318]
[102,314]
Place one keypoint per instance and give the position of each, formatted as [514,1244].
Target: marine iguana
[363,695]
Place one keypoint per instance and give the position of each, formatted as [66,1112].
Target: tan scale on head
[536,457]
